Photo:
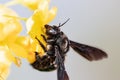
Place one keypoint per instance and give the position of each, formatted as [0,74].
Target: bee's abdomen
[45,63]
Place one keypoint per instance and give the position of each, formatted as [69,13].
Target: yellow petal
[9,26]
[5,62]
[44,5]
[51,14]
[41,16]
[31,57]
[27,43]
[4,53]
[30,46]
[35,23]
[17,61]
[31,4]
[18,50]
[4,71]
[7,57]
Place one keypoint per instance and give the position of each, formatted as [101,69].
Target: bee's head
[54,30]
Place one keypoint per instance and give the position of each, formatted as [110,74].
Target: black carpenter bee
[58,45]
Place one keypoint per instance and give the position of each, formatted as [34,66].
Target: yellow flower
[10,41]
[4,63]
[9,28]
[31,4]
[30,46]
[41,16]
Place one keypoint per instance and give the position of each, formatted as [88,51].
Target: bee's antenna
[64,22]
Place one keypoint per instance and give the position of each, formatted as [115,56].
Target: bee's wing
[61,73]
[88,52]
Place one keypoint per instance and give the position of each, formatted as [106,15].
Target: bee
[58,45]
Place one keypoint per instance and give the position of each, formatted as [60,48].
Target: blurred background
[92,22]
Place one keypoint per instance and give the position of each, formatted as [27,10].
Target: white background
[92,22]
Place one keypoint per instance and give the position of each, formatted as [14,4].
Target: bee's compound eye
[52,31]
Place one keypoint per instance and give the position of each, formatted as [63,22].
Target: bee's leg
[44,38]
[37,57]
[48,40]
[44,48]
